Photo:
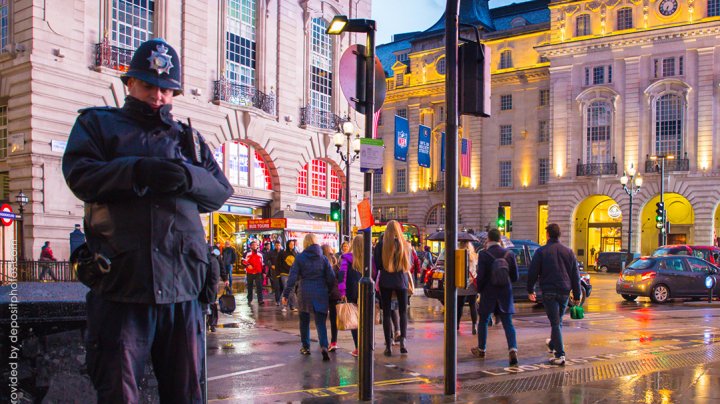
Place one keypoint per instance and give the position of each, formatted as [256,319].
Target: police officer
[145,178]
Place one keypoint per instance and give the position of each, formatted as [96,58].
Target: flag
[376,121]
[402,138]
[424,147]
[465,153]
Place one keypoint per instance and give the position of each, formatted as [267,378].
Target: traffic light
[501,218]
[335,211]
[508,226]
[474,79]
[660,215]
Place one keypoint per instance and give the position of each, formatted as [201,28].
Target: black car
[523,250]
[664,278]
[612,261]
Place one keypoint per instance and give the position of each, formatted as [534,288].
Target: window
[436,216]
[506,174]
[314,178]
[5,186]
[402,213]
[399,80]
[401,112]
[240,45]
[440,67]
[697,265]
[402,57]
[582,25]
[401,180]
[713,8]
[669,67]
[506,102]
[318,179]
[505,135]
[674,264]
[669,125]
[543,131]
[132,22]
[377,212]
[335,185]
[4,24]
[3,131]
[238,156]
[389,213]
[377,184]
[261,173]
[506,59]
[598,131]
[544,98]
[598,75]
[543,171]
[624,18]
[302,182]
[321,77]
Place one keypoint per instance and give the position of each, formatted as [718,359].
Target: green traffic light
[501,222]
[658,218]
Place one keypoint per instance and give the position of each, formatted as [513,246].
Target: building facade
[582,91]
[260,83]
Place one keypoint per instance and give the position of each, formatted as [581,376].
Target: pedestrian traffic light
[508,226]
[335,211]
[501,218]
[659,215]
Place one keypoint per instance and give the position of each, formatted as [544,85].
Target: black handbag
[227,302]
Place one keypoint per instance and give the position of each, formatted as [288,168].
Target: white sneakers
[558,361]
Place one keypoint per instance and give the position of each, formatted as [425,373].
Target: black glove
[161,176]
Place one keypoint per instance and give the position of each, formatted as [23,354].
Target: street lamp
[21,200]
[635,180]
[337,26]
[343,138]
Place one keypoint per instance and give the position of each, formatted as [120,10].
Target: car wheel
[582,297]
[660,293]
[603,269]
[629,298]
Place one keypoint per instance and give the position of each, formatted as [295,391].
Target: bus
[411,232]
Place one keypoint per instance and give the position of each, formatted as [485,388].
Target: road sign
[6,215]
[351,72]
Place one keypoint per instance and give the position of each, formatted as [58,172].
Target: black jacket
[388,280]
[556,266]
[495,298]
[285,260]
[229,256]
[156,243]
[271,258]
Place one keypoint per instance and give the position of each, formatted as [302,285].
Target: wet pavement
[620,352]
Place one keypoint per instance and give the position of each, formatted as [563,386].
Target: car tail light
[648,275]
[427,276]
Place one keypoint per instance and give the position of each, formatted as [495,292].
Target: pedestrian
[267,263]
[273,273]
[213,314]
[334,295]
[393,265]
[556,267]
[284,262]
[316,277]
[77,238]
[351,267]
[344,249]
[253,262]
[496,271]
[415,264]
[229,258]
[145,178]
[46,256]
[468,294]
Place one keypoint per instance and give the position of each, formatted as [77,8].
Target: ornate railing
[652,166]
[31,271]
[240,94]
[112,57]
[437,186]
[311,116]
[596,169]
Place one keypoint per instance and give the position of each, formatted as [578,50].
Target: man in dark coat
[145,178]
[556,267]
[285,261]
[494,298]
[273,274]
[229,257]
[77,238]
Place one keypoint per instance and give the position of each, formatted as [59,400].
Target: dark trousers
[471,301]
[121,337]
[277,288]
[320,319]
[333,321]
[555,305]
[229,268]
[257,281]
[386,301]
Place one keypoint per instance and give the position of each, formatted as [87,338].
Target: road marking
[242,372]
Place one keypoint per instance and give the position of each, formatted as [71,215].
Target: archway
[598,228]
[681,216]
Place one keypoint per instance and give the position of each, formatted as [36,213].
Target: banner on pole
[402,138]
[424,147]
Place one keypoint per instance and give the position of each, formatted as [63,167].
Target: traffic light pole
[663,231]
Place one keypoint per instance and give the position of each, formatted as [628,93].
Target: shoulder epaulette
[99,108]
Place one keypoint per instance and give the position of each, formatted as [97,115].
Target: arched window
[518,22]
[321,79]
[236,162]
[240,43]
[314,179]
[669,117]
[582,25]
[506,59]
[440,66]
[624,18]
[261,173]
[436,216]
[598,132]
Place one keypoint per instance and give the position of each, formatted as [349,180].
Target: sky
[393,16]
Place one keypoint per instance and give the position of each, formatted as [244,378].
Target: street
[620,351]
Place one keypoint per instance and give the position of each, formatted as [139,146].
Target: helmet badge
[160,61]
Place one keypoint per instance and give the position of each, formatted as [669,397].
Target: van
[612,261]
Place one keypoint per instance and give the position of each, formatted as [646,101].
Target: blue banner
[424,147]
[402,138]
[442,152]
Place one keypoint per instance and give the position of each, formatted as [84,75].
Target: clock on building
[668,7]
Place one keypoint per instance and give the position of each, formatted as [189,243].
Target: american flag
[376,120]
[465,152]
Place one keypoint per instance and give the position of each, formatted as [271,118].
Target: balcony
[437,186]
[112,57]
[596,169]
[311,116]
[243,95]
[652,166]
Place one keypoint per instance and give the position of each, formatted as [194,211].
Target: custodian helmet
[157,63]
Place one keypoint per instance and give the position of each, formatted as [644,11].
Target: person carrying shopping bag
[351,266]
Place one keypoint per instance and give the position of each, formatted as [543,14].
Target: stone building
[582,91]
[260,83]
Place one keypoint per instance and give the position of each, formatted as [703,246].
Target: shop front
[284,229]
[598,228]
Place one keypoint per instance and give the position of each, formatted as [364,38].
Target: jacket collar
[314,250]
[143,112]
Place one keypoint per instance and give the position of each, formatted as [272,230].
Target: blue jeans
[292,297]
[506,319]
[229,268]
[319,326]
[555,305]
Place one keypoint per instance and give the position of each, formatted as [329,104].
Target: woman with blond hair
[316,278]
[351,268]
[393,265]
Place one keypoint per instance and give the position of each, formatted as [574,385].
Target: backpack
[499,271]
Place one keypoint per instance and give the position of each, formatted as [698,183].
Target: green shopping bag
[577,312]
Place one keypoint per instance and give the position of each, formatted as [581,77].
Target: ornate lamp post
[343,138]
[21,200]
[635,181]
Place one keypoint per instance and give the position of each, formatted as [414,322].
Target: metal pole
[348,204]
[663,232]
[367,286]
[451,193]
[21,232]
[629,251]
